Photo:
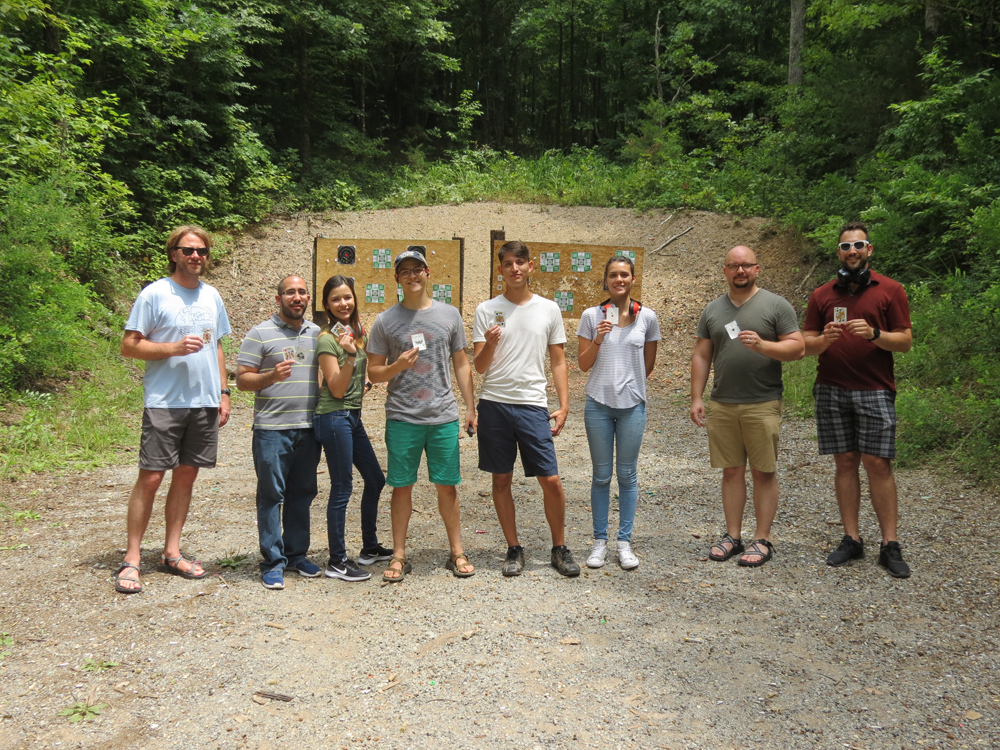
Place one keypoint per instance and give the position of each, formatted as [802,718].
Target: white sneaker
[627,558]
[599,555]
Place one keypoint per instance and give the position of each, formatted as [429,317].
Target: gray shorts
[171,437]
[855,421]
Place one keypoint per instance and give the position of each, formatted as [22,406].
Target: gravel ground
[680,653]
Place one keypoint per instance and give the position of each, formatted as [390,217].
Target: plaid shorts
[849,421]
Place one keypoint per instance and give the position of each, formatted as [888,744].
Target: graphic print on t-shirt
[194,320]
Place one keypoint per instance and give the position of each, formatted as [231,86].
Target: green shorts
[405,442]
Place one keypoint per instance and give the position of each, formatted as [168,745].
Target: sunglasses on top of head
[857,245]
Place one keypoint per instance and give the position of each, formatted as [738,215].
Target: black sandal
[734,550]
[756,548]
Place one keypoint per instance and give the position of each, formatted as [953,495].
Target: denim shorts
[171,437]
[405,442]
[504,429]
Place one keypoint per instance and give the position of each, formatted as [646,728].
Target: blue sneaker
[274,579]
[305,568]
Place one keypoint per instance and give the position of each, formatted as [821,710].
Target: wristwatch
[226,392]
[876,332]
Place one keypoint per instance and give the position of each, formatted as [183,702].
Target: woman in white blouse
[618,347]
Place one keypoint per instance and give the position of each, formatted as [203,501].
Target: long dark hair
[355,320]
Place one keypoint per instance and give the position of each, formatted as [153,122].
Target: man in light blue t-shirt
[176,326]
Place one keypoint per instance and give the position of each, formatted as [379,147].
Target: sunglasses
[738,266]
[857,245]
[202,251]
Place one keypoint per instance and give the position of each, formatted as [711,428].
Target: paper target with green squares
[580,262]
[372,267]
[570,273]
[442,293]
[565,301]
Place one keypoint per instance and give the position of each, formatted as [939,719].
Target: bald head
[741,254]
[293,299]
[291,281]
[740,269]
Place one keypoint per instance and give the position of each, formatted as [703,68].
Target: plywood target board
[570,274]
[369,263]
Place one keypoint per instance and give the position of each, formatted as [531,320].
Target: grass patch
[233,560]
[86,423]
[799,377]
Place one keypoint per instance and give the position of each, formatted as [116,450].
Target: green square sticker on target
[375,293]
[580,262]
[441,292]
[565,301]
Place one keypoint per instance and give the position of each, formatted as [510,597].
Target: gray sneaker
[847,551]
[562,560]
[514,564]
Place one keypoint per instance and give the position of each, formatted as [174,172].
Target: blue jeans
[605,427]
[346,444]
[285,462]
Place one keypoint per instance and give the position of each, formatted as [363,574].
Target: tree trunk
[559,92]
[932,17]
[305,105]
[796,40]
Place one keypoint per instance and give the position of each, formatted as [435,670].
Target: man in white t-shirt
[511,336]
[176,327]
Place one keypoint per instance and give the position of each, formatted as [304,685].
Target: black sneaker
[514,564]
[374,555]
[847,551]
[347,571]
[890,557]
[562,560]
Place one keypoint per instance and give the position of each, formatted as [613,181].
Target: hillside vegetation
[121,119]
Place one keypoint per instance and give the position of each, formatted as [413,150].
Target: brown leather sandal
[453,565]
[403,569]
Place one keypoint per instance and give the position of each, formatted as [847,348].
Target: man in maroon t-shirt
[854,324]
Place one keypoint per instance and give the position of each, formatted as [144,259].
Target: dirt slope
[680,653]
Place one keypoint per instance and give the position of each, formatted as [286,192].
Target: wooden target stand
[571,274]
[369,263]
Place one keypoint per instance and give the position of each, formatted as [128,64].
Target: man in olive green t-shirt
[744,335]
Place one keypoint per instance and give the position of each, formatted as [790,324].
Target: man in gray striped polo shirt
[278,361]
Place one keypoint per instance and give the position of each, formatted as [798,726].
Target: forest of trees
[122,118]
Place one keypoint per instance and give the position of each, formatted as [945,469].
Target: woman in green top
[337,423]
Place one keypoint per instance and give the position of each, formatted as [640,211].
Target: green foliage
[949,399]
[83,427]
[83,711]
[233,560]
[21,516]
[98,665]
[5,642]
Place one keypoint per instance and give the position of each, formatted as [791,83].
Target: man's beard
[862,264]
